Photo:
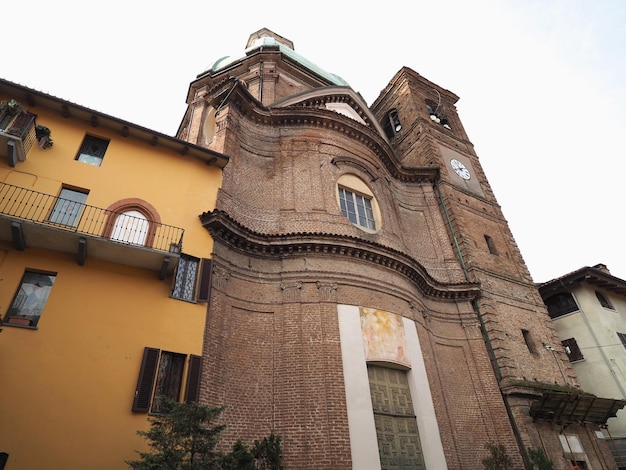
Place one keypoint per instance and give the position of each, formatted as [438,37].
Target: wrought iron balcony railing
[71,216]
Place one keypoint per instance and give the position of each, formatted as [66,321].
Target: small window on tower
[491,245]
[393,125]
[530,343]
[436,113]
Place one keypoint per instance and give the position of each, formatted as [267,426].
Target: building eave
[67,109]
[596,276]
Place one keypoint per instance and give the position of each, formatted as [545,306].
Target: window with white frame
[357,203]
[357,208]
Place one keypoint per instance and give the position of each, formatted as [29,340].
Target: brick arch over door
[123,206]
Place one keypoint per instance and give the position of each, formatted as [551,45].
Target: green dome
[268,41]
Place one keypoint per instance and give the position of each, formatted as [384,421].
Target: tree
[268,453]
[499,459]
[539,459]
[184,437]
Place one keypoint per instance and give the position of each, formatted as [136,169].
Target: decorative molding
[226,230]
[328,292]
[220,278]
[291,293]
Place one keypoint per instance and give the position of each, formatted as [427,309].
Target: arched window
[209,127]
[392,123]
[131,227]
[133,221]
[357,202]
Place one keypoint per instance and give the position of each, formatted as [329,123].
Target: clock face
[460,169]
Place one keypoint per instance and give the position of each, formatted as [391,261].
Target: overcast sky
[542,86]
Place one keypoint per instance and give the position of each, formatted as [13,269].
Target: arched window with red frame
[132,221]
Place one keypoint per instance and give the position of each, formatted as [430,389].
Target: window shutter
[145,383]
[192,388]
[21,123]
[572,350]
[204,292]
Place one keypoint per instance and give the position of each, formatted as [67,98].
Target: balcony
[33,219]
[17,132]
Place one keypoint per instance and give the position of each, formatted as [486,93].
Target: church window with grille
[399,444]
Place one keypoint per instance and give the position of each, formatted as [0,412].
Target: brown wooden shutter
[22,123]
[192,388]
[206,271]
[145,383]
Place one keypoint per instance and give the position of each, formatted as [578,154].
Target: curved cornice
[237,237]
[235,94]
[318,97]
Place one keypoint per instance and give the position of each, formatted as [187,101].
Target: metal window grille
[92,150]
[186,275]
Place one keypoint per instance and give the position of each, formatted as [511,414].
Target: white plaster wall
[603,369]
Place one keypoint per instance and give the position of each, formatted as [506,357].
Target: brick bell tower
[369,303]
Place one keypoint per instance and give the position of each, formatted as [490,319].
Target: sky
[542,86]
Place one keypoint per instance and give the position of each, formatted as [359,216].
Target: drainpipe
[261,82]
[485,334]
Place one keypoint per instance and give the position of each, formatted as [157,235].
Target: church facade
[369,303]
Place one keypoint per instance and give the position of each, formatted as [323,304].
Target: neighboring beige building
[588,308]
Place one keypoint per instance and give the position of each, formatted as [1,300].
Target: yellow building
[104,266]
